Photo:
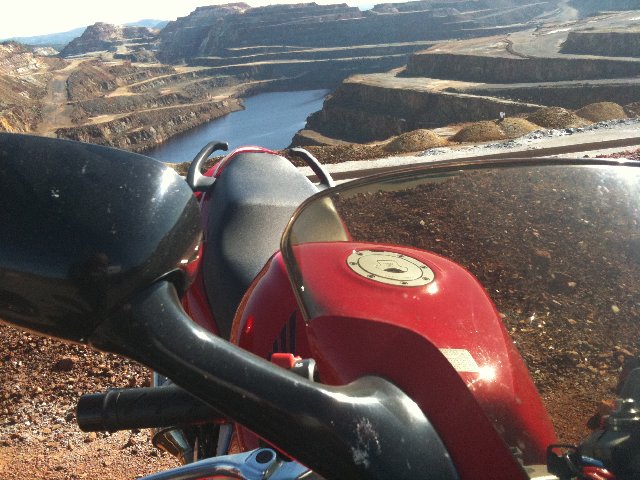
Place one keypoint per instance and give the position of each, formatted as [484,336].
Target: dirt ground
[40,382]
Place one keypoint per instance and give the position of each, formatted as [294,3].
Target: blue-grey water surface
[269,120]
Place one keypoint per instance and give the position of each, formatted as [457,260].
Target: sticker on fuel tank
[461,360]
[390,268]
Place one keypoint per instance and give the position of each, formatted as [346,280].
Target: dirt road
[56,113]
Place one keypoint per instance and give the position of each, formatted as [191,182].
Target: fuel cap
[390,268]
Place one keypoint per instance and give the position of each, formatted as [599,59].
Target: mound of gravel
[516,127]
[557,117]
[602,111]
[480,132]
[632,110]
[414,141]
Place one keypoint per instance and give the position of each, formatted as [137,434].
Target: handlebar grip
[150,407]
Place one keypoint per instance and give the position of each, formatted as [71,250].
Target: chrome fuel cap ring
[390,268]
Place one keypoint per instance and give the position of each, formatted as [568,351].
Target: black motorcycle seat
[250,205]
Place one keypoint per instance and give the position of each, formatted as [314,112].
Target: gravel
[41,380]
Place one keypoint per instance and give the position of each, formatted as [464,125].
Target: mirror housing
[82,228]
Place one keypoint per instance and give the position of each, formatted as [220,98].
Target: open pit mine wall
[363,113]
[475,68]
[140,131]
[312,74]
[567,95]
[301,53]
[205,33]
[608,44]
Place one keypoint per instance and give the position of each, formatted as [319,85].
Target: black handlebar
[351,431]
[152,407]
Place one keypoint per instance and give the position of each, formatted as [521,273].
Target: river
[269,120]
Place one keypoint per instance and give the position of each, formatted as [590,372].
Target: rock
[542,259]
[64,364]
[561,283]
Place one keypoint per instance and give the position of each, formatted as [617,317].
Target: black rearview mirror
[82,228]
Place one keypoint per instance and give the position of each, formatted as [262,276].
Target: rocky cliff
[217,30]
[366,109]
[103,36]
[187,33]
[139,131]
[94,79]
[604,43]
[24,76]
[480,68]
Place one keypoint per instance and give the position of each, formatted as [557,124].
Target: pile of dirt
[557,117]
[632,110]
[480,132]
[414,141]
[495,130]
[517,127]
[602,111]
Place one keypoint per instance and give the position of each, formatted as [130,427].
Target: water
[269,120]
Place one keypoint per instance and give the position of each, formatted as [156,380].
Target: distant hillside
[60,39]
[149,23]
[52,39]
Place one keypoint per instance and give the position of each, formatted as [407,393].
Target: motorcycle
[376,342]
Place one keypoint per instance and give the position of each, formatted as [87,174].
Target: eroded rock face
[361,112]
[610,44]
[17,60]
[23,84]
[103,36]
[139,131]
[187,33]
[479,68]
[227,30]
